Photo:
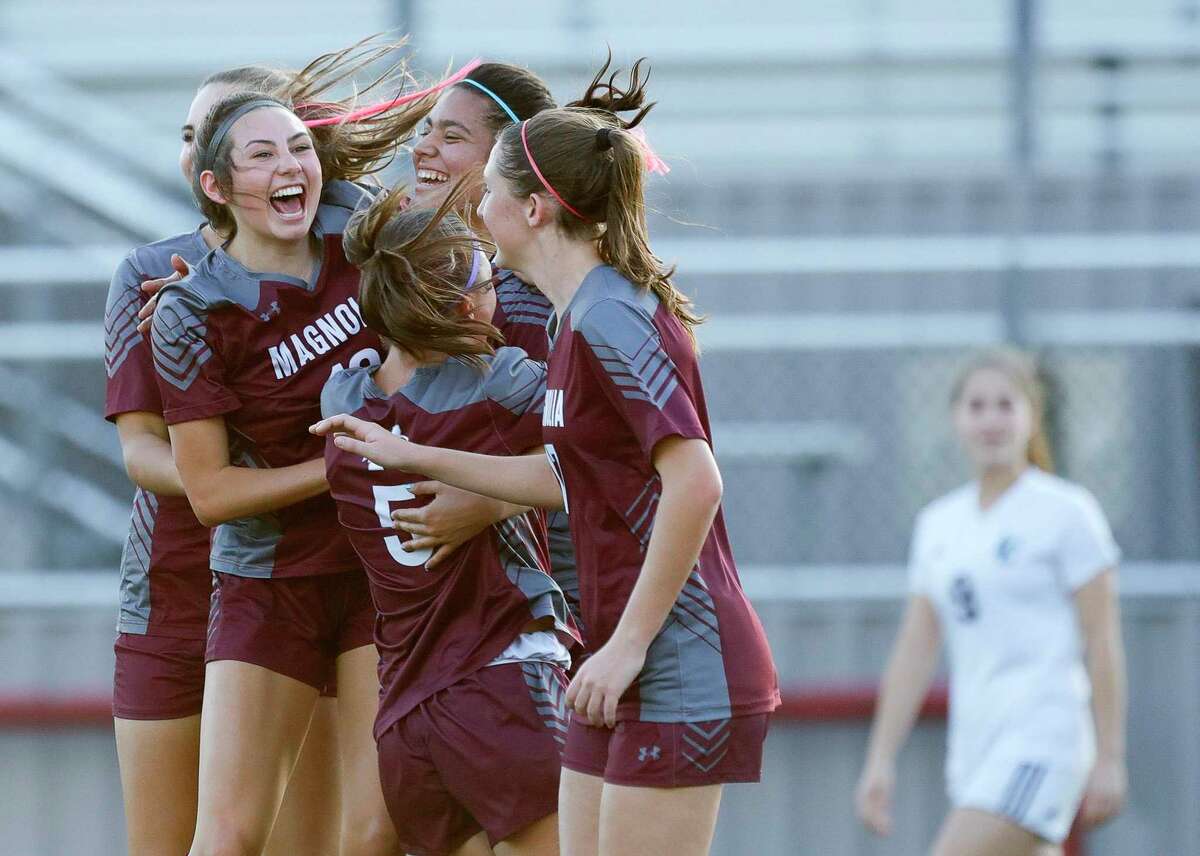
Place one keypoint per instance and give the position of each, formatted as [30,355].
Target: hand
[873,797]
[372,441]
[451,519]
[1105,792]
[603,679]
[152,287]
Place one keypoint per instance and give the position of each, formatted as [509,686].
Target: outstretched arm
[522,480]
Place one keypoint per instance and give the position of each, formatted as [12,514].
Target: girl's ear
[208,183]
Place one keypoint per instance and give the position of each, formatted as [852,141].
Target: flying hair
[416,266]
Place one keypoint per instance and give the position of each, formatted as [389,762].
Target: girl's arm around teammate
[1100,622]
[906,681]
[691,495]
[521,480]
[146,451]
[220,491]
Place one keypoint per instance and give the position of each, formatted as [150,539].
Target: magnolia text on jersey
[328,331]
[552,413]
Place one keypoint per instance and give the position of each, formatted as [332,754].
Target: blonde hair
[1022,371]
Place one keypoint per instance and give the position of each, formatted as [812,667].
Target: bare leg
[367,828]
[310,818]
[677,821]
[477,845]
[971,832]
[251,728]
[158,761]
[579,798]
[540,838]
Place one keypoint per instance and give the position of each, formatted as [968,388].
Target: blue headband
[493,96]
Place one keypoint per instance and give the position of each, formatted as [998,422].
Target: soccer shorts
[669,754]
[295,626]
[483,754]
[157,677]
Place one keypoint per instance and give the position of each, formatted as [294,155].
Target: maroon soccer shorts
[481,754]
[669,754]
[157,677]
[295,626]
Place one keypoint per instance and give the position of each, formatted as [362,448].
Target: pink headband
[542,178]
[398,101]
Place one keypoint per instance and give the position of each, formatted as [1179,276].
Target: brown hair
[1022,371]
[260,78]
[524,92]
[600,176]
[414,267]
[346,151]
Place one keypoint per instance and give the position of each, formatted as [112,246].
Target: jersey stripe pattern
[165,580]
[623,376]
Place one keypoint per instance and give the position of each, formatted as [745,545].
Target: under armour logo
[272,312]
[649,753]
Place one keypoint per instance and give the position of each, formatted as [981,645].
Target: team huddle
[427,553]
[526,653]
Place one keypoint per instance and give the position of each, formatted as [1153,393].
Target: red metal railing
[830,703]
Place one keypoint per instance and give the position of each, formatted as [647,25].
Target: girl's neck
[293,258]
[399,366]
[559,268]
[994,481]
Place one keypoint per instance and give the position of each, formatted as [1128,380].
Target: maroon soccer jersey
[623,375]
[437,626]
[256,349]
[165,580]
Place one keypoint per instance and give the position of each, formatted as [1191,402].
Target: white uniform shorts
[1038,792]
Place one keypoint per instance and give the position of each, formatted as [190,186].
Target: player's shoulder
[216,280]
[513,379]
[1055,494]
[339,201]
[346,391]
[609,309]
[153,260]
[949,508]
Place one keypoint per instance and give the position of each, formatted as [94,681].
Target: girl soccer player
[166,584]
[675,700]
[472,663]
[242,347]
[1017,571]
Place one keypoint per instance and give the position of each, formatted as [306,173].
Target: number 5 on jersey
[384,496]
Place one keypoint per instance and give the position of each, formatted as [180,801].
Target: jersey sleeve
[1087,546]
[130,382]
[919,581]
[522,313]
[637,374]
[188,360]
[515,387]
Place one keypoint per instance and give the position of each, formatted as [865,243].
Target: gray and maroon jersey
[437,626]
[256,349]
[165,580]
[522,313]
[623,375]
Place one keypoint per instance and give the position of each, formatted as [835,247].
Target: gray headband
[209,155]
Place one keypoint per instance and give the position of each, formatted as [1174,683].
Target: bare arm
[220,491]
[1100,621]
[521,480]
[906,681]
[146,448]
[691,494]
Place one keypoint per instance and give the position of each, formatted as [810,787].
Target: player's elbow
[209,506]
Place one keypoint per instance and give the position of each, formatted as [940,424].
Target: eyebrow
[272,142]
[450,123]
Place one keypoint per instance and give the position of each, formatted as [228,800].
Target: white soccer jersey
[1002,581]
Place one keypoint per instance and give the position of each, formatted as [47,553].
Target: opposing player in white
[1017,572]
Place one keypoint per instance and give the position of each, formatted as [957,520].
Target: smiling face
[994,420]
[276,176]
[453,141]
[505,215]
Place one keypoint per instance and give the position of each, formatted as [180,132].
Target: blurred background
[862,192]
